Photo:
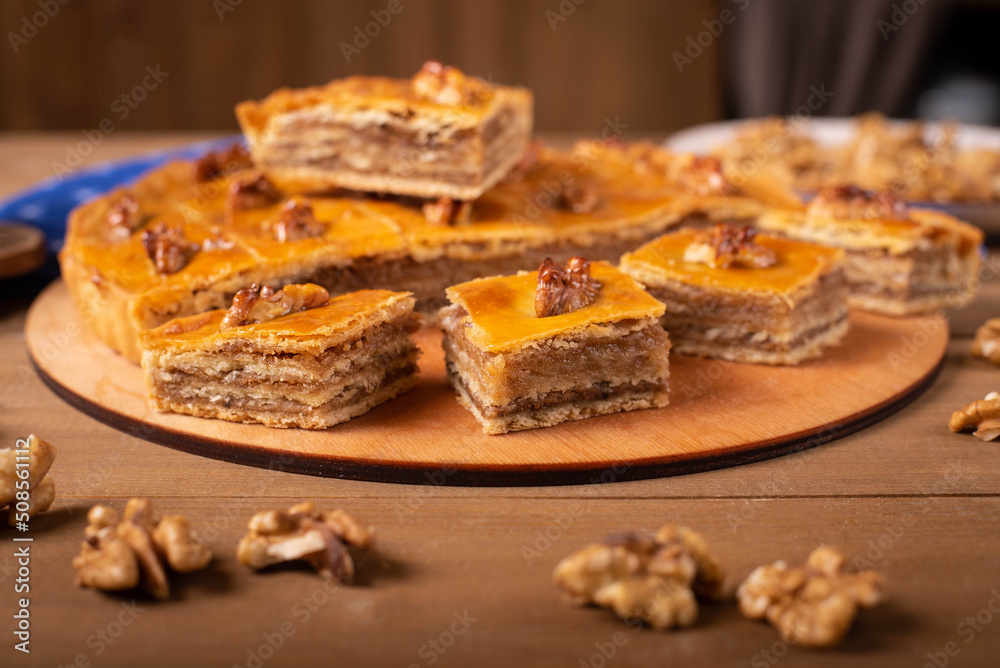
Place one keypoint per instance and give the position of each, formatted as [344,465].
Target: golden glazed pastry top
[924,228]
[501,309]
[798,264]
[475,99]
[241,244]
[340,320]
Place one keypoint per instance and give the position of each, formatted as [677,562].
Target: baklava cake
[900,260]
[187,236]
[286,358]
[732,294]
[533,350]
[439,134]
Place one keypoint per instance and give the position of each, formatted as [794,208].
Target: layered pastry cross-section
[533,350]
[438,134]
[735,295]
[900,260]
[287,358]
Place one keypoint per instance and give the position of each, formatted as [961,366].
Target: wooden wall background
[608,58]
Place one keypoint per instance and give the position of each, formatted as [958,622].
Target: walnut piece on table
[37,489]
[122,553]
[987,342]
[651,578]
[982,415]
[812,605]
[303,533]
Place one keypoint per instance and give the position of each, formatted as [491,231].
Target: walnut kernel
[38,455]
[446,211]
[652,578]
[297,221]
[218,163]
[304,533]
[983,415]
[726,245]
[987,342]
[849,202]
[448,86]
[261,304]
[811,605]
[252,192]
[564,290]
[122,553]
[168,248]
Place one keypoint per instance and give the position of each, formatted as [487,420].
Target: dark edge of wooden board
[482,476]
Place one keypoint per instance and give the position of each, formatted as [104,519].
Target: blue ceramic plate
[47,204]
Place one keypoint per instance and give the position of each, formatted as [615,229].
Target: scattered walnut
[562,290]
[168,248]
[700,175]
[652,578]
[448,86]
[122,553]
[578,198]
[252,192]
[218,163]
[447,211]
[123,217]
[983,415]
[811,605]
[987,342]
[726,245]
[297,222]
[260,304]
[304,533]
[32,458]
[849,202]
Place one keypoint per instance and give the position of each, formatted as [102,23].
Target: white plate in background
[834,131]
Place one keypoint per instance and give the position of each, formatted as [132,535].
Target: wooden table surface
[462,576]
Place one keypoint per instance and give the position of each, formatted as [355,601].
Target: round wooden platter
[720,413]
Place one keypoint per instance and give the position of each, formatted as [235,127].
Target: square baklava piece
[732,294]
[438,134]
[286,358]
[900,260]
[571,342]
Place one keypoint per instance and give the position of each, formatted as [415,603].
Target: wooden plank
[491,565]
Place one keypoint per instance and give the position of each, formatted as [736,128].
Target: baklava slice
[438,134]
[529,350]
[735,295]
[900,260]
[287,358]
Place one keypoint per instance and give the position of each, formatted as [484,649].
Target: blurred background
[648,65]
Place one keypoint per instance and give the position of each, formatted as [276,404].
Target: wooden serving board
[720,414]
